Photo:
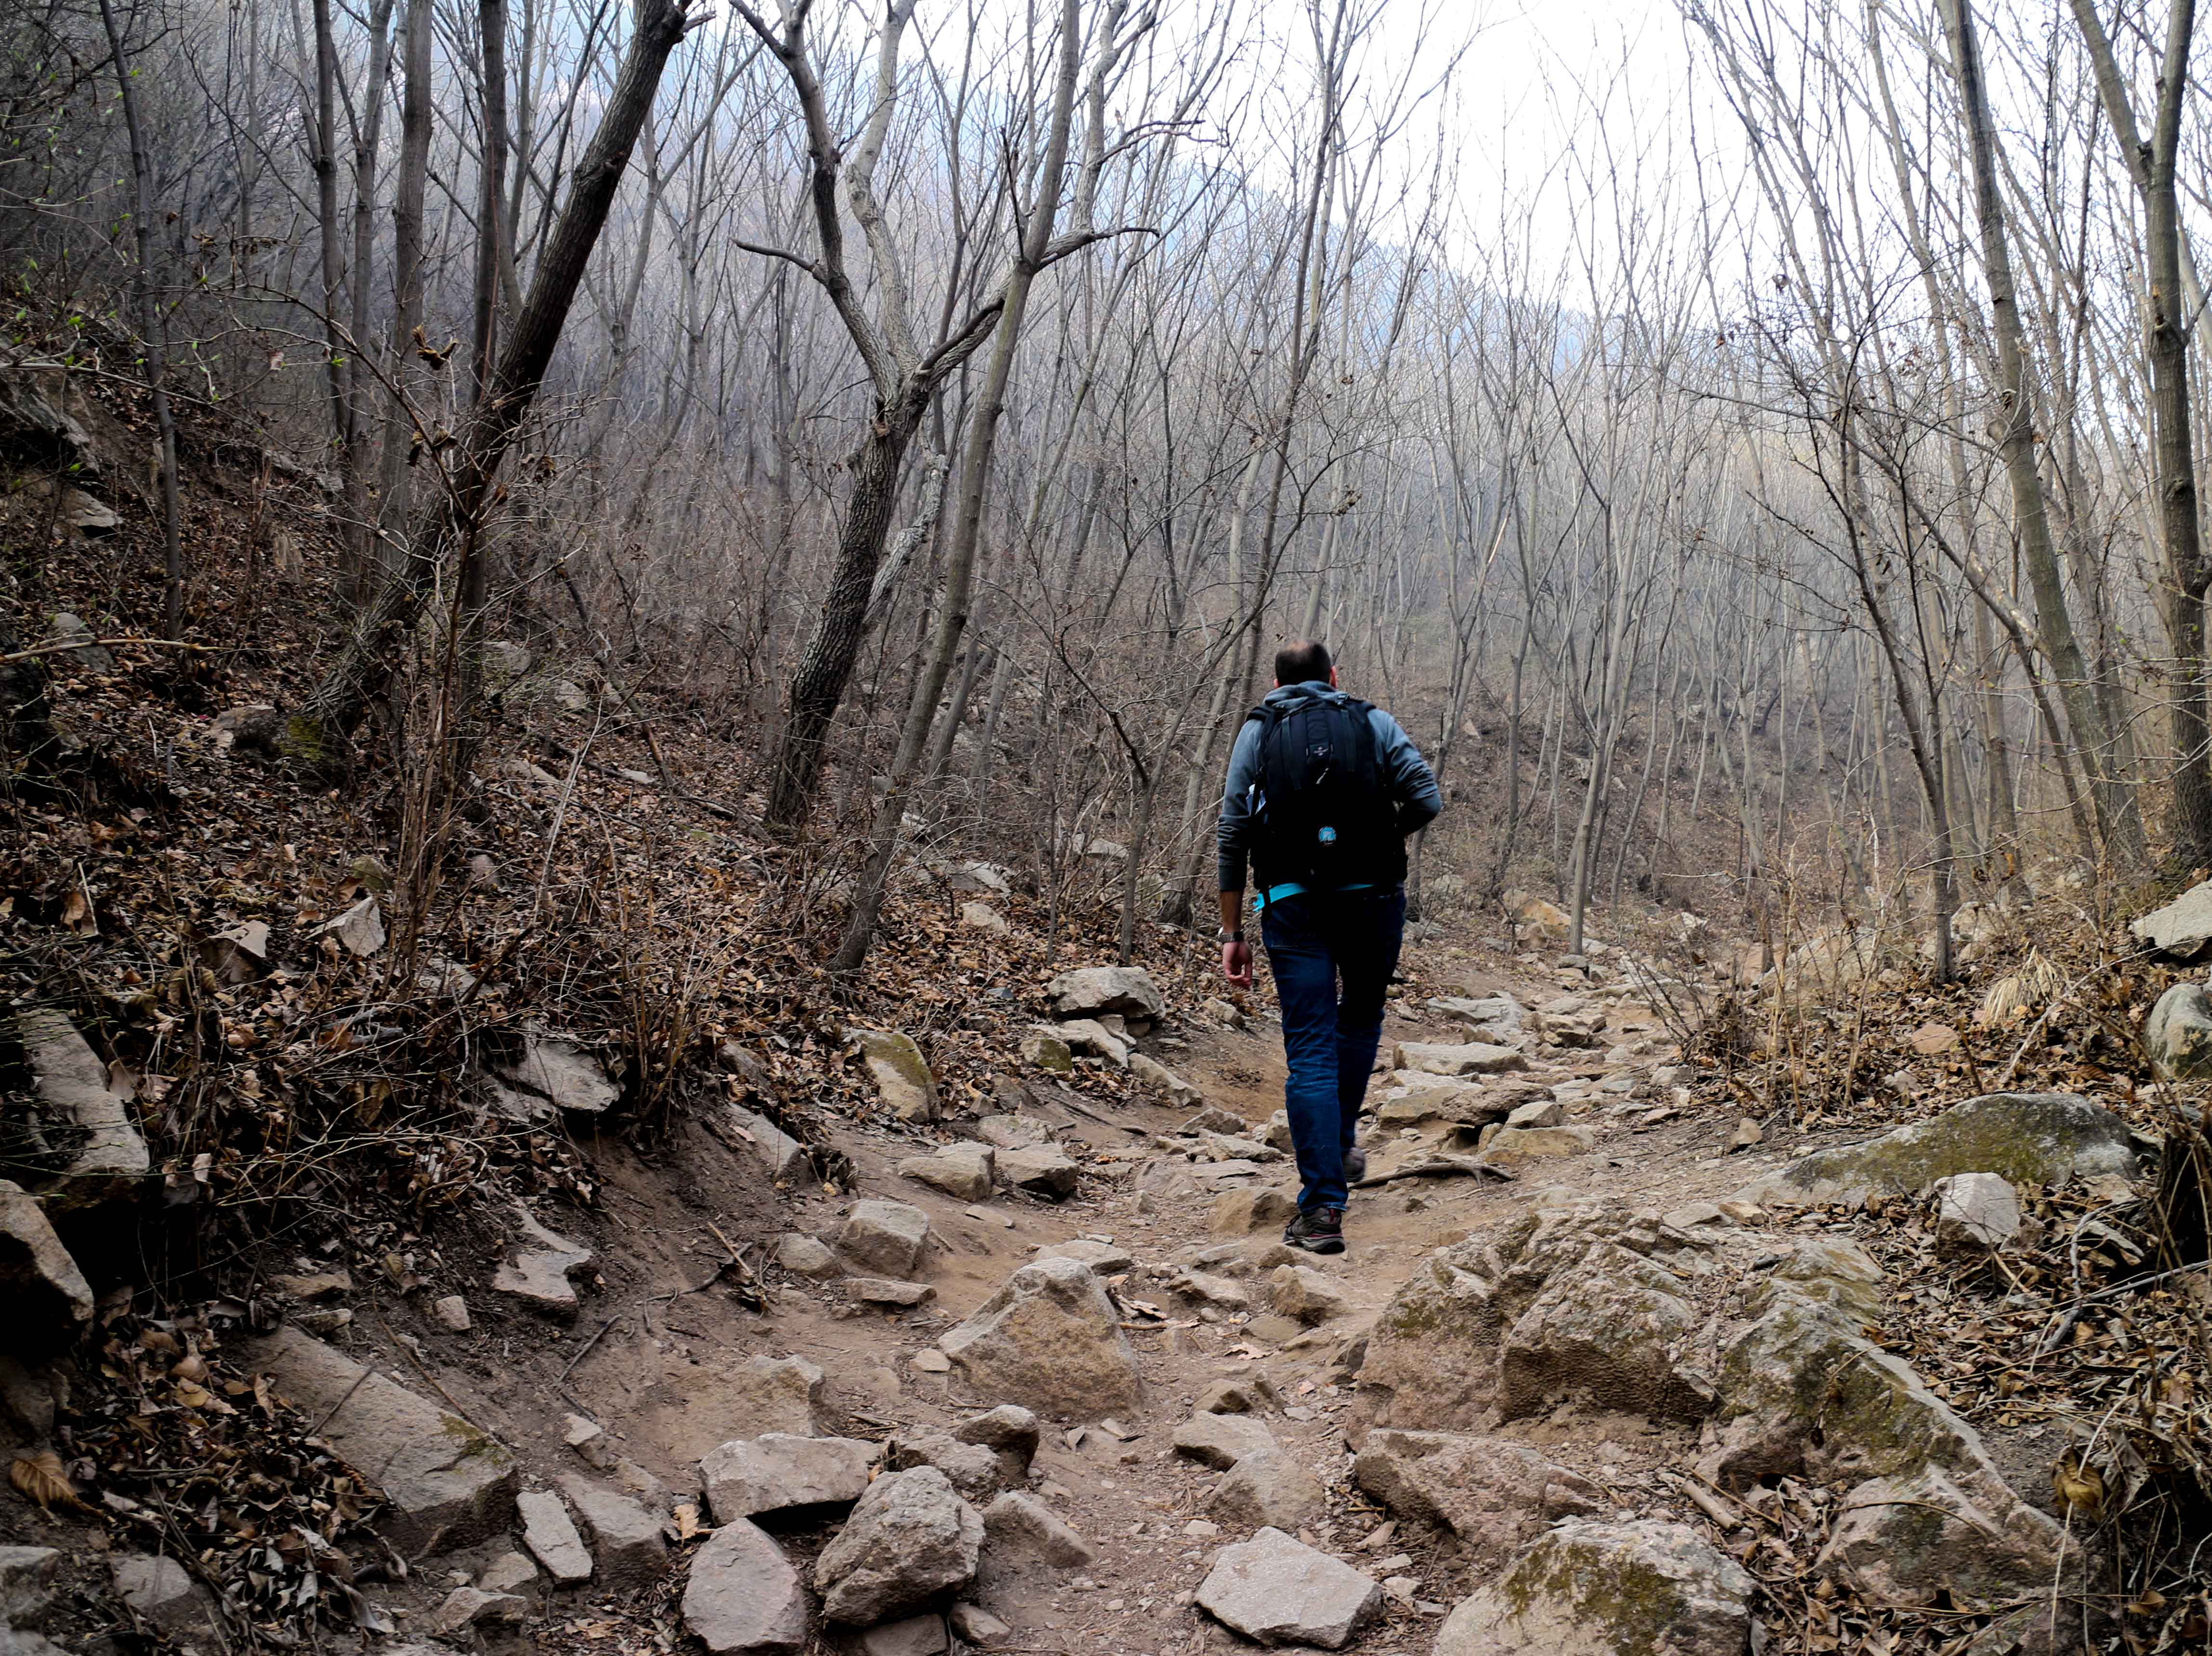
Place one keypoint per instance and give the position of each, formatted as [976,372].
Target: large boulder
[44,1297]
[743,1597]
[1494,1496]
[1586,1589]
[902,1074]
[2178,1035]
[2030,1138]
[107,1155]
[2183,927]
[444,1483]
[910,1538]
[780,1470]
[1088,991]
[1278,1591]
[1616,1328]
[1049,1340]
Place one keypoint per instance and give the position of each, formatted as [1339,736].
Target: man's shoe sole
[1314,1244]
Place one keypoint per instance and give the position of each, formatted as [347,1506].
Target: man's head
[1302,661]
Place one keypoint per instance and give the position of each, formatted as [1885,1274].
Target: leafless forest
[1778,491]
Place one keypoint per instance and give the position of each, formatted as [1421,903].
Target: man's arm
[1413,785]
[1232,845]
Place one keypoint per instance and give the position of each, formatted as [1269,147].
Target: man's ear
[1332,678]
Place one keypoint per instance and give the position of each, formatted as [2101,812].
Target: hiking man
[1322,790]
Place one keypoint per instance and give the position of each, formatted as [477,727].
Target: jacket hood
[1313,690]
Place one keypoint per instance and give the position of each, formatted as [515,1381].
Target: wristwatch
[1225,935]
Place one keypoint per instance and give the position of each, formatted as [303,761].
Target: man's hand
[1236,962]
[1235,952]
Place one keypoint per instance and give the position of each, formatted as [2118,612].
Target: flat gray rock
[1495,1496]
[779,1470]
[550,1535]
[445,1483]
[1041,1170]
[784,1156]
[1268,1489]
[563,1074]
[1101,1258]
[1464,1058]
[743,1597]
[2183,927]
[540,1269]
[71,1084]
[1221,1440]
[1279,1590]
[27,1582]
[963,1171]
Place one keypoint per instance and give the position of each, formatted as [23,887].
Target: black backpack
[1324,811]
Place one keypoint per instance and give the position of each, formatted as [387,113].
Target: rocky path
[1569,1390]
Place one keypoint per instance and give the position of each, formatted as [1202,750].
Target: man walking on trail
[1322,790]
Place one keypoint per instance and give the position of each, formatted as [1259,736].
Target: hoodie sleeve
[1413,785]
[1232,839]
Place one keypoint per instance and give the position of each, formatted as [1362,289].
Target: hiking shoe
[1355,1165]
[1316,1230]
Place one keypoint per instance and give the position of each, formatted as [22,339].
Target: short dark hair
[1300,661]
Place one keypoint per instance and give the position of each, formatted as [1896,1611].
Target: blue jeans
[1332,953]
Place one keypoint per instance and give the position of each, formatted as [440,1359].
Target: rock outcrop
[99,1153]
[1644,1589]
[2030,1138]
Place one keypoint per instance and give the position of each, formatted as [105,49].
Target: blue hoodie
[1413,785]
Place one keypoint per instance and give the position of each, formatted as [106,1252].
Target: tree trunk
[2115,811]
[151,327]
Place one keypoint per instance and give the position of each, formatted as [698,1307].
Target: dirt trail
[655,1375]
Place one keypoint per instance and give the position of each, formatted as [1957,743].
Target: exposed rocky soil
[1564,1354]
